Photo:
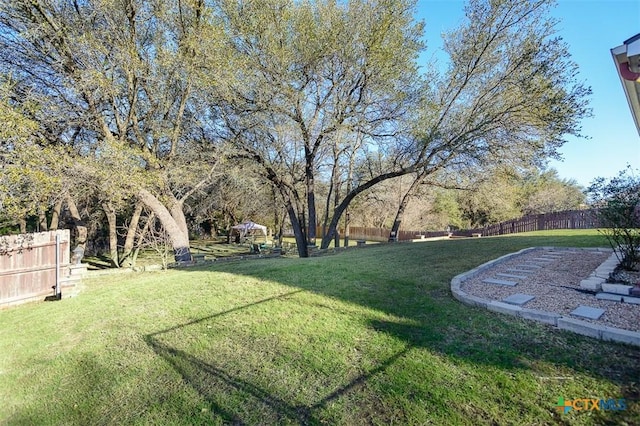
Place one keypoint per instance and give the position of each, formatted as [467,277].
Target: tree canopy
[151,101]
[114,83]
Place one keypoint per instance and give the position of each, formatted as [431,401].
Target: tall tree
[30,169]
[510,95]
[545,192]
[318,69]
[506,193]
[116,82]
[493,198]
[316,73]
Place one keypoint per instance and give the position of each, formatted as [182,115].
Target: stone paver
[518,299]
[630,299]
[617,288]
[520,277]
[587,312]
[529,266]
[521,271]
[592,283]
[609,296]
[499,282]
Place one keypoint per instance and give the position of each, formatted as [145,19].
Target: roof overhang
[627,60]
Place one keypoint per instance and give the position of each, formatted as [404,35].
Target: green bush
[618,209]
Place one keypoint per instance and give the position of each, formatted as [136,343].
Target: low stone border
[551,318]
[598,277]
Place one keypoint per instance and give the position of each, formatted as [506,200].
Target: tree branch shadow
[215,385]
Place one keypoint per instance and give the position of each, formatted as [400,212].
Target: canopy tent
[249,228]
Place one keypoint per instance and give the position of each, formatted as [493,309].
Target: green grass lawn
[213,248]
[366,336]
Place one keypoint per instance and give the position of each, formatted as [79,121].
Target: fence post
[57,292]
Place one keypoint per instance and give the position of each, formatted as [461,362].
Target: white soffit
[622,55]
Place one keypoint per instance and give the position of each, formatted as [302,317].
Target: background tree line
[197,114]
[500,195]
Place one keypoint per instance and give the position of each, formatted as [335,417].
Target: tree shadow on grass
[217,386]
[259,406]
[434,320]
[380,282]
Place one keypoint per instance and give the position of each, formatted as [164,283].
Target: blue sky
[591,28]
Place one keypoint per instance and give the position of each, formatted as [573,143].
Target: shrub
[618,209]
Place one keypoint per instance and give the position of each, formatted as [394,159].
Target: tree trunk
[277,223]
[55,216]
[311,206]
[42,221]
[110,212]
[347,230]
[127,250]
[142,235]
[347,218]
[344,204]
[298,231]
[78,223]
[177,213]
[403,205]
[393,235]
[333,188]
[280,234]
[325,219]
[336,201]
[179,239]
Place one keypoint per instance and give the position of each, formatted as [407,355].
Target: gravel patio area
[552,277]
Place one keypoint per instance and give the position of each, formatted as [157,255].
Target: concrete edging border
[557,320]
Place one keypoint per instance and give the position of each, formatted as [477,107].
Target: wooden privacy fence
[35,266]
[369,234]
[569,219]
[381,234]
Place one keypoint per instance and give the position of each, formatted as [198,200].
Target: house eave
[631,88]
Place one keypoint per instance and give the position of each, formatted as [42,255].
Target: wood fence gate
[35,266]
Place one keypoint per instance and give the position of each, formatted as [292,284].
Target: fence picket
[568,219]
[28,265]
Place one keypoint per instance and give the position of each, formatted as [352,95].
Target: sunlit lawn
[213,248]
[365,336]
